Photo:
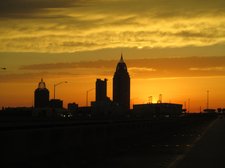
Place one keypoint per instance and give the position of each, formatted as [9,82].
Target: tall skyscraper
[121,86]
[101,90]
[41,96]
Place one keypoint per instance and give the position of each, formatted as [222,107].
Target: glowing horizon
[145,81]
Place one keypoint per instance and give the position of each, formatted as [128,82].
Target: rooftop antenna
[150,100]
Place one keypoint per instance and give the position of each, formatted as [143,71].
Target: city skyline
[174,48]
[155,96]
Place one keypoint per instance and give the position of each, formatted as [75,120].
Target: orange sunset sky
[171,47]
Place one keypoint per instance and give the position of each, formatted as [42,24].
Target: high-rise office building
[121,86]
[41,96]
[101,90]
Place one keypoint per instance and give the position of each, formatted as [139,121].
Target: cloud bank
[141,68]
[76,25]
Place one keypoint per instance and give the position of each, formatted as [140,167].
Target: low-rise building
[157,110]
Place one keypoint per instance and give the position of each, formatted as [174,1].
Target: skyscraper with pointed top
[41,96]
[121,85]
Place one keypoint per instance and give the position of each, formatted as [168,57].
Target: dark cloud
[27,8]
[163,8]
[79,44]
[182,8]
[83,64]
[138,69]
[32,76]
[157,9]
[148,68]
[179,67]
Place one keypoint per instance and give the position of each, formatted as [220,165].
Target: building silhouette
[121,86]
[56,103]
[101,90]
[157,110]
[102,106]
[72,106]
[41,96]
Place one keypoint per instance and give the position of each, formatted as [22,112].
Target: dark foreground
[207,152]
[130,143]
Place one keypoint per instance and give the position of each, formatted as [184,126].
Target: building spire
[121,58]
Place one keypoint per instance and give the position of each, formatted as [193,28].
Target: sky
[171,47]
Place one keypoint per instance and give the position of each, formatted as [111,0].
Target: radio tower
[160,99]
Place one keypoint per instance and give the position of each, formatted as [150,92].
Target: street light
[57,85]
[87,95]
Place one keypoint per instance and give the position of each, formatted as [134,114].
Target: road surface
[208,151]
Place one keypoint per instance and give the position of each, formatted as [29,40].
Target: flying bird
[3,68]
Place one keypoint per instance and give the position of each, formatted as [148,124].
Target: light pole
[189,105]
[207,101]
[87,95]
[57,85]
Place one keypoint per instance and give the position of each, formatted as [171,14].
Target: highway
[208,151]
[104,144]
